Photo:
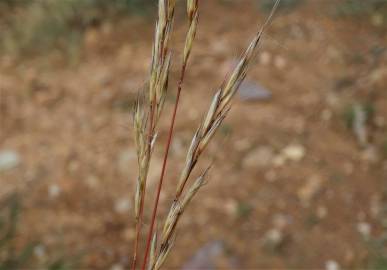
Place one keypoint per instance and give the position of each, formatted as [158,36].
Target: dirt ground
[291,186]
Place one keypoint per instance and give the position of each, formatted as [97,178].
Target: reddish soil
[71,124]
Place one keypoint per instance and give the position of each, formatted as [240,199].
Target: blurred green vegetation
[9,258]
[33,26]
[267,5]
[361,7]
[13,258]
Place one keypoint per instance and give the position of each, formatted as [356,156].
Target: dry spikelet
[153,252]
[194,17]
[164,252]
[177,209]
[219,107]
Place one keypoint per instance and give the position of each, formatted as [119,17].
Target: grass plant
[147,113]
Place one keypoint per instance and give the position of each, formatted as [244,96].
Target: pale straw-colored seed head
[190,37]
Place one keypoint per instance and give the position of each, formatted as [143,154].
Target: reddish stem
[139,221]
[170,135]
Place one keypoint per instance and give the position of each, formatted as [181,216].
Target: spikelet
[220,106]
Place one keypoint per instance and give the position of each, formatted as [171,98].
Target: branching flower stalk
[193,14]
[158,85]
[218,110]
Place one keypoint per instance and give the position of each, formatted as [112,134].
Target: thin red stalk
[139,221]
[170,135]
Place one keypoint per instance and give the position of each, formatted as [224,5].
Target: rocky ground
[300,166]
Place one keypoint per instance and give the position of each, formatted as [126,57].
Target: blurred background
[300,166]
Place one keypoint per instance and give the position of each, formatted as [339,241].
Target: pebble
[279,161]
[117,266]
[39,251]
[122,206]
[258,158]
[9,159]
[380,121]
[332,265]
[53,191]
[294,152]
[309,190]
[377,20]
[280,62]
[322,212]
[125,160]
[265,58]
[281,221]
[364,229]
[370,155]
[253,91]
[273,239]
[178,147]
[205,257]
[92,181]
[242,144]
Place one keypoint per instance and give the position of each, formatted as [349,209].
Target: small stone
[92,181]
[377,19]
[125,160]
[332,265]
[265,58]
[122,206]
[220,46]
[231,207]
[53,191]
[322,212]
[178,147]
[279,161]
[242,144]
[258,158]
[206,257]
[378,77]
[39,251]
[309,190]
[379,121]
[364,229]
[280,62]
[273,239]
[294,152]
[280,221]
[9,159]
[117,266]
[370,155]
[253,91]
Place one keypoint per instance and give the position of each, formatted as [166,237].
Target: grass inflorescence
[147,113]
